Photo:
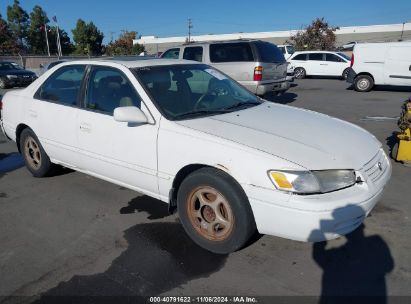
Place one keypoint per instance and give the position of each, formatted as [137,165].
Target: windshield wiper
[199,112]
[241,104]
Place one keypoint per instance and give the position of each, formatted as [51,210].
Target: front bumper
[314,218]
[272,87]
[19,81]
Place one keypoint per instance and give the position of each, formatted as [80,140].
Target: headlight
[309,182]
[11,76]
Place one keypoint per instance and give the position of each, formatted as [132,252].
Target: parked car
[287,50]
[380,64]
[320,63]
[349,45]
[48,66]
[290,72]
[12,75]
[257,65]
[186,134]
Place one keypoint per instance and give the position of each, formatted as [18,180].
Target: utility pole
[190,26]
[402,31]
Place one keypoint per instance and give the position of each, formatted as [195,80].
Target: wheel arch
[365,73]
[19,130]
[186,171]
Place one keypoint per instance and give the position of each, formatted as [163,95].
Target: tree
[8,44]
[18,22]
[88,39]
[124,45]
[36,35]
[317,36]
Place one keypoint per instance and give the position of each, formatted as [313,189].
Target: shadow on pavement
[155,208]
[159,257]
[354,272]
[10,162]
[287,97]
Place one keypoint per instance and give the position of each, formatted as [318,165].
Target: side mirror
[130,114]
[41,66]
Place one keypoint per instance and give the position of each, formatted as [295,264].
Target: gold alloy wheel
[32,153]
[210,213]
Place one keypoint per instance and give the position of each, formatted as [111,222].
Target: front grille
[376,167]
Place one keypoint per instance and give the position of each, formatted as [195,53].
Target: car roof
[216,41]
[132,62]
[306,52]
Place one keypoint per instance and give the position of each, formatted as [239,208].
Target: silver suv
[257,65]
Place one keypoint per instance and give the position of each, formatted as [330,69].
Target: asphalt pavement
[74,235]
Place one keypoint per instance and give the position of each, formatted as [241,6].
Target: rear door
[398,65]
[316,65]
[53,114]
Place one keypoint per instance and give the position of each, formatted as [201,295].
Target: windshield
[344,56]
[9,66]
[193,90]
[290,49]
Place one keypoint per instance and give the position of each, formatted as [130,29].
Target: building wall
[372,33]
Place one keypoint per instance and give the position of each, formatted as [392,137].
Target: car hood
[312,140]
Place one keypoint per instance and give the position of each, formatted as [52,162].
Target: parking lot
[72,234]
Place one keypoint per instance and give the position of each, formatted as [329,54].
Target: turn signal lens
[281,180]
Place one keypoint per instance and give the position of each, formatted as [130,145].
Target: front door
[116,151]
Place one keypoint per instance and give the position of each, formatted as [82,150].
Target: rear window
[231,52]
[269,52]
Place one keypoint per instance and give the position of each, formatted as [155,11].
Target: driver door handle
[85,127]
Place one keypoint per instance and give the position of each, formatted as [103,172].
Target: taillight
[352,60]
[258,73]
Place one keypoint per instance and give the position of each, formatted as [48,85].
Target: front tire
[215,211]
[363,83]
[300,73]
[35,158]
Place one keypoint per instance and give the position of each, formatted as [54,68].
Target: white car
[320,63]
[184,133]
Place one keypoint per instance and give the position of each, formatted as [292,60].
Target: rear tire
[300,73]
[215,211]
[363,83]
[345,73]
[36,159]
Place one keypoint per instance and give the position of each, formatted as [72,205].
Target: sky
[169,18]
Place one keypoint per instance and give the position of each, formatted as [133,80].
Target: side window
[231,52]
[332,57]
[300,57]
[171,54]
[63,86]
[315,56]
[108,89]
[193,53]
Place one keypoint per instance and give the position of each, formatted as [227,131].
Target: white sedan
[184,133]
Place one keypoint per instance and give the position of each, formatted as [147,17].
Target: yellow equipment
[402,150]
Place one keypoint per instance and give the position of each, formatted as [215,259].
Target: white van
[380,64]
